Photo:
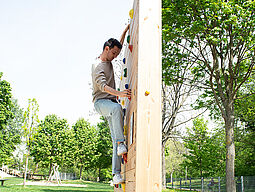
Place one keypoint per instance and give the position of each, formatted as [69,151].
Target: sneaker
[117,179]
[122,149]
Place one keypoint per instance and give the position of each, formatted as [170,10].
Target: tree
[30,125]
[174,157]
[204,156]
[85,138]
[53,143]
[245,131]
[197,144]
[6,102]
[221,41]
[104,147]
[179,90]
[10,122]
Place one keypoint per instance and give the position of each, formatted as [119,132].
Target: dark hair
[111,43]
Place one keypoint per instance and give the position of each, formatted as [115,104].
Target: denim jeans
[114,114]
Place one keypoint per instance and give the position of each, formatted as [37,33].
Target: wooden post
[142,172]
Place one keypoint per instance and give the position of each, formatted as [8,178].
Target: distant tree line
[81,148]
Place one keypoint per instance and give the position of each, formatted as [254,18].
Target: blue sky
[47,48]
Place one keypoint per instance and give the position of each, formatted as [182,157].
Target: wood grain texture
[142,172]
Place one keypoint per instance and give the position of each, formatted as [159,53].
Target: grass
[174,190]
[11,186]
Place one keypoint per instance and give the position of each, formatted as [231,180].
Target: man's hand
[125,93]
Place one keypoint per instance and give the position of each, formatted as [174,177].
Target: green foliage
[30,121]
[174,158]
[245,131]
[52,142]
[85,141]
[6,104]
[104,149]
[216,36]
[205,153]
[10,122]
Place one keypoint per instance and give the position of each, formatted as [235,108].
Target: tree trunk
[50,169]
[99,174]
[230,152]
[81,172]
[163,165]
[25,174]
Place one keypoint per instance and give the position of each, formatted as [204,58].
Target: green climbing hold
[125,72]
[128,38]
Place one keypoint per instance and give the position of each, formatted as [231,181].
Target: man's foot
[122,149]
[117,179]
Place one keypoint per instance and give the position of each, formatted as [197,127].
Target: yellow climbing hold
[121,78]
[131,13]
[125,130]
[123,187]
[147,93]
[123,102]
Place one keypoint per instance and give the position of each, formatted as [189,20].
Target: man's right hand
[125,93]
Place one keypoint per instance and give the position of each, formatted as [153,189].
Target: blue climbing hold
[124,60]
[126,86]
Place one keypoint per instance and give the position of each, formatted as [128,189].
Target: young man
[105,103]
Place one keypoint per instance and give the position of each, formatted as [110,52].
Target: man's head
[111,49]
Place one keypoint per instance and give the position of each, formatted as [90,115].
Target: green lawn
[10,186]
[174,190]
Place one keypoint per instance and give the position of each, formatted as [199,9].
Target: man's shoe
[122,149]
[117,179]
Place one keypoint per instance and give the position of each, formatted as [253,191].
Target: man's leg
[114,114]
[116,160]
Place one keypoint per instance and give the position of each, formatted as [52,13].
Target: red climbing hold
[130,48]
[125,157]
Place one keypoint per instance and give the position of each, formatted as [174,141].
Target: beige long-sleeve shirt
[102,74]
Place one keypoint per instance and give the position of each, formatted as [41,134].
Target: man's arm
[124,93]
[124,34]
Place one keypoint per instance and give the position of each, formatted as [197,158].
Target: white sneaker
[117,179]
[122,149]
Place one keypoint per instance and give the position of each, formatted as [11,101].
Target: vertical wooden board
[142,172]
[148,143]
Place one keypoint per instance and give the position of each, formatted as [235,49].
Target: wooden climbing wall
[142,122]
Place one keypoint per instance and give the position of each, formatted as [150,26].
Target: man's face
[113,53]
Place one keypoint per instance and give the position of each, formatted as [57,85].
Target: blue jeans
[114,114]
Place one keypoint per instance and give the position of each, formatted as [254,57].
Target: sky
[47,48]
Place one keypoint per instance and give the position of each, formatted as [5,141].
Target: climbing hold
[123,102]
[125,130]
[124,187]
[124,60]
[130,48]
[119,100]
[121,78]
[129,98]
[118,89]
[125,72]
[117,97]
[126,86]
[124,111]
[147,93]
[125,157]
[122,160]
[128,38]
[131,13]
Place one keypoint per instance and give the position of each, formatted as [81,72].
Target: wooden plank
[148,143]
